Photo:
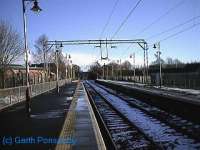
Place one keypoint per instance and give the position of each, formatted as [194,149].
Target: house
[15,75]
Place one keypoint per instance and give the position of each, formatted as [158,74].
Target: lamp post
[117,70]
[157,45]
[66,63]
[57,67]
[71,70]
[133,56]
[104,71]
[57,78]
[71,67]
[120,69]
[112,71]
[120,63]
[35,8]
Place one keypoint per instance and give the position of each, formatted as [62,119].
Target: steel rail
[159,117]
[154,145]
[106,134]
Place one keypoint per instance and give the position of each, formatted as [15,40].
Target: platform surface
[80,125]
[84,132]
[47,117]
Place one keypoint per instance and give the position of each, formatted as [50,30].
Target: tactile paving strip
[68,127]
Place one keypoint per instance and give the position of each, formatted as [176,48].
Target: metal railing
[14,95]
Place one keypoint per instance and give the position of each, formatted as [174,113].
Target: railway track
[183,125]
[155,128]
[123,133]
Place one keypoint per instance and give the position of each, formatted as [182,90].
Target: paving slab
[49,111]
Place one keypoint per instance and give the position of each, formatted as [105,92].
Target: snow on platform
[190,95]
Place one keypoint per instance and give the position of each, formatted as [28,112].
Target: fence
[10,96]
[183,83]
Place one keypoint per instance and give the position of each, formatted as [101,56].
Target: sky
[83,20]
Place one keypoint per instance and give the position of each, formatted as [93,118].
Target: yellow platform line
[68,126]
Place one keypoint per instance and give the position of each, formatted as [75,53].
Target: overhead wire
[126,18]
[174,27]
[157,20]
[107,23]
[179,32]
[109,18]
[160,17]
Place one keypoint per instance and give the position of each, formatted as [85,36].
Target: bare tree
[157,62]
[95,71]
[126,65]
[41,50]
[169,61]
[11,47]
[61,63]
[43,54]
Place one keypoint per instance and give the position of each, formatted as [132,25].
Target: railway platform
[81,125]
[58,121]
[163,92]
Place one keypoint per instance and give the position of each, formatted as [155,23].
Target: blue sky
[78,19]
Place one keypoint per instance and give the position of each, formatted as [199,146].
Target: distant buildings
[15,75]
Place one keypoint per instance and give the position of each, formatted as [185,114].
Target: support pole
[147,63]
[104,71]
[120,69]
[134,66]
[159,53]
[57,84]
[144,74]
[28,97]
[107,72]
[112,72]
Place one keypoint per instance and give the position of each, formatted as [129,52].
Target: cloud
[82,58]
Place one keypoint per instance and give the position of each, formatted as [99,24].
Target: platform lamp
[157,46]
[70,64]
[35,8]
[67,65]
[113,46]
[57,68]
